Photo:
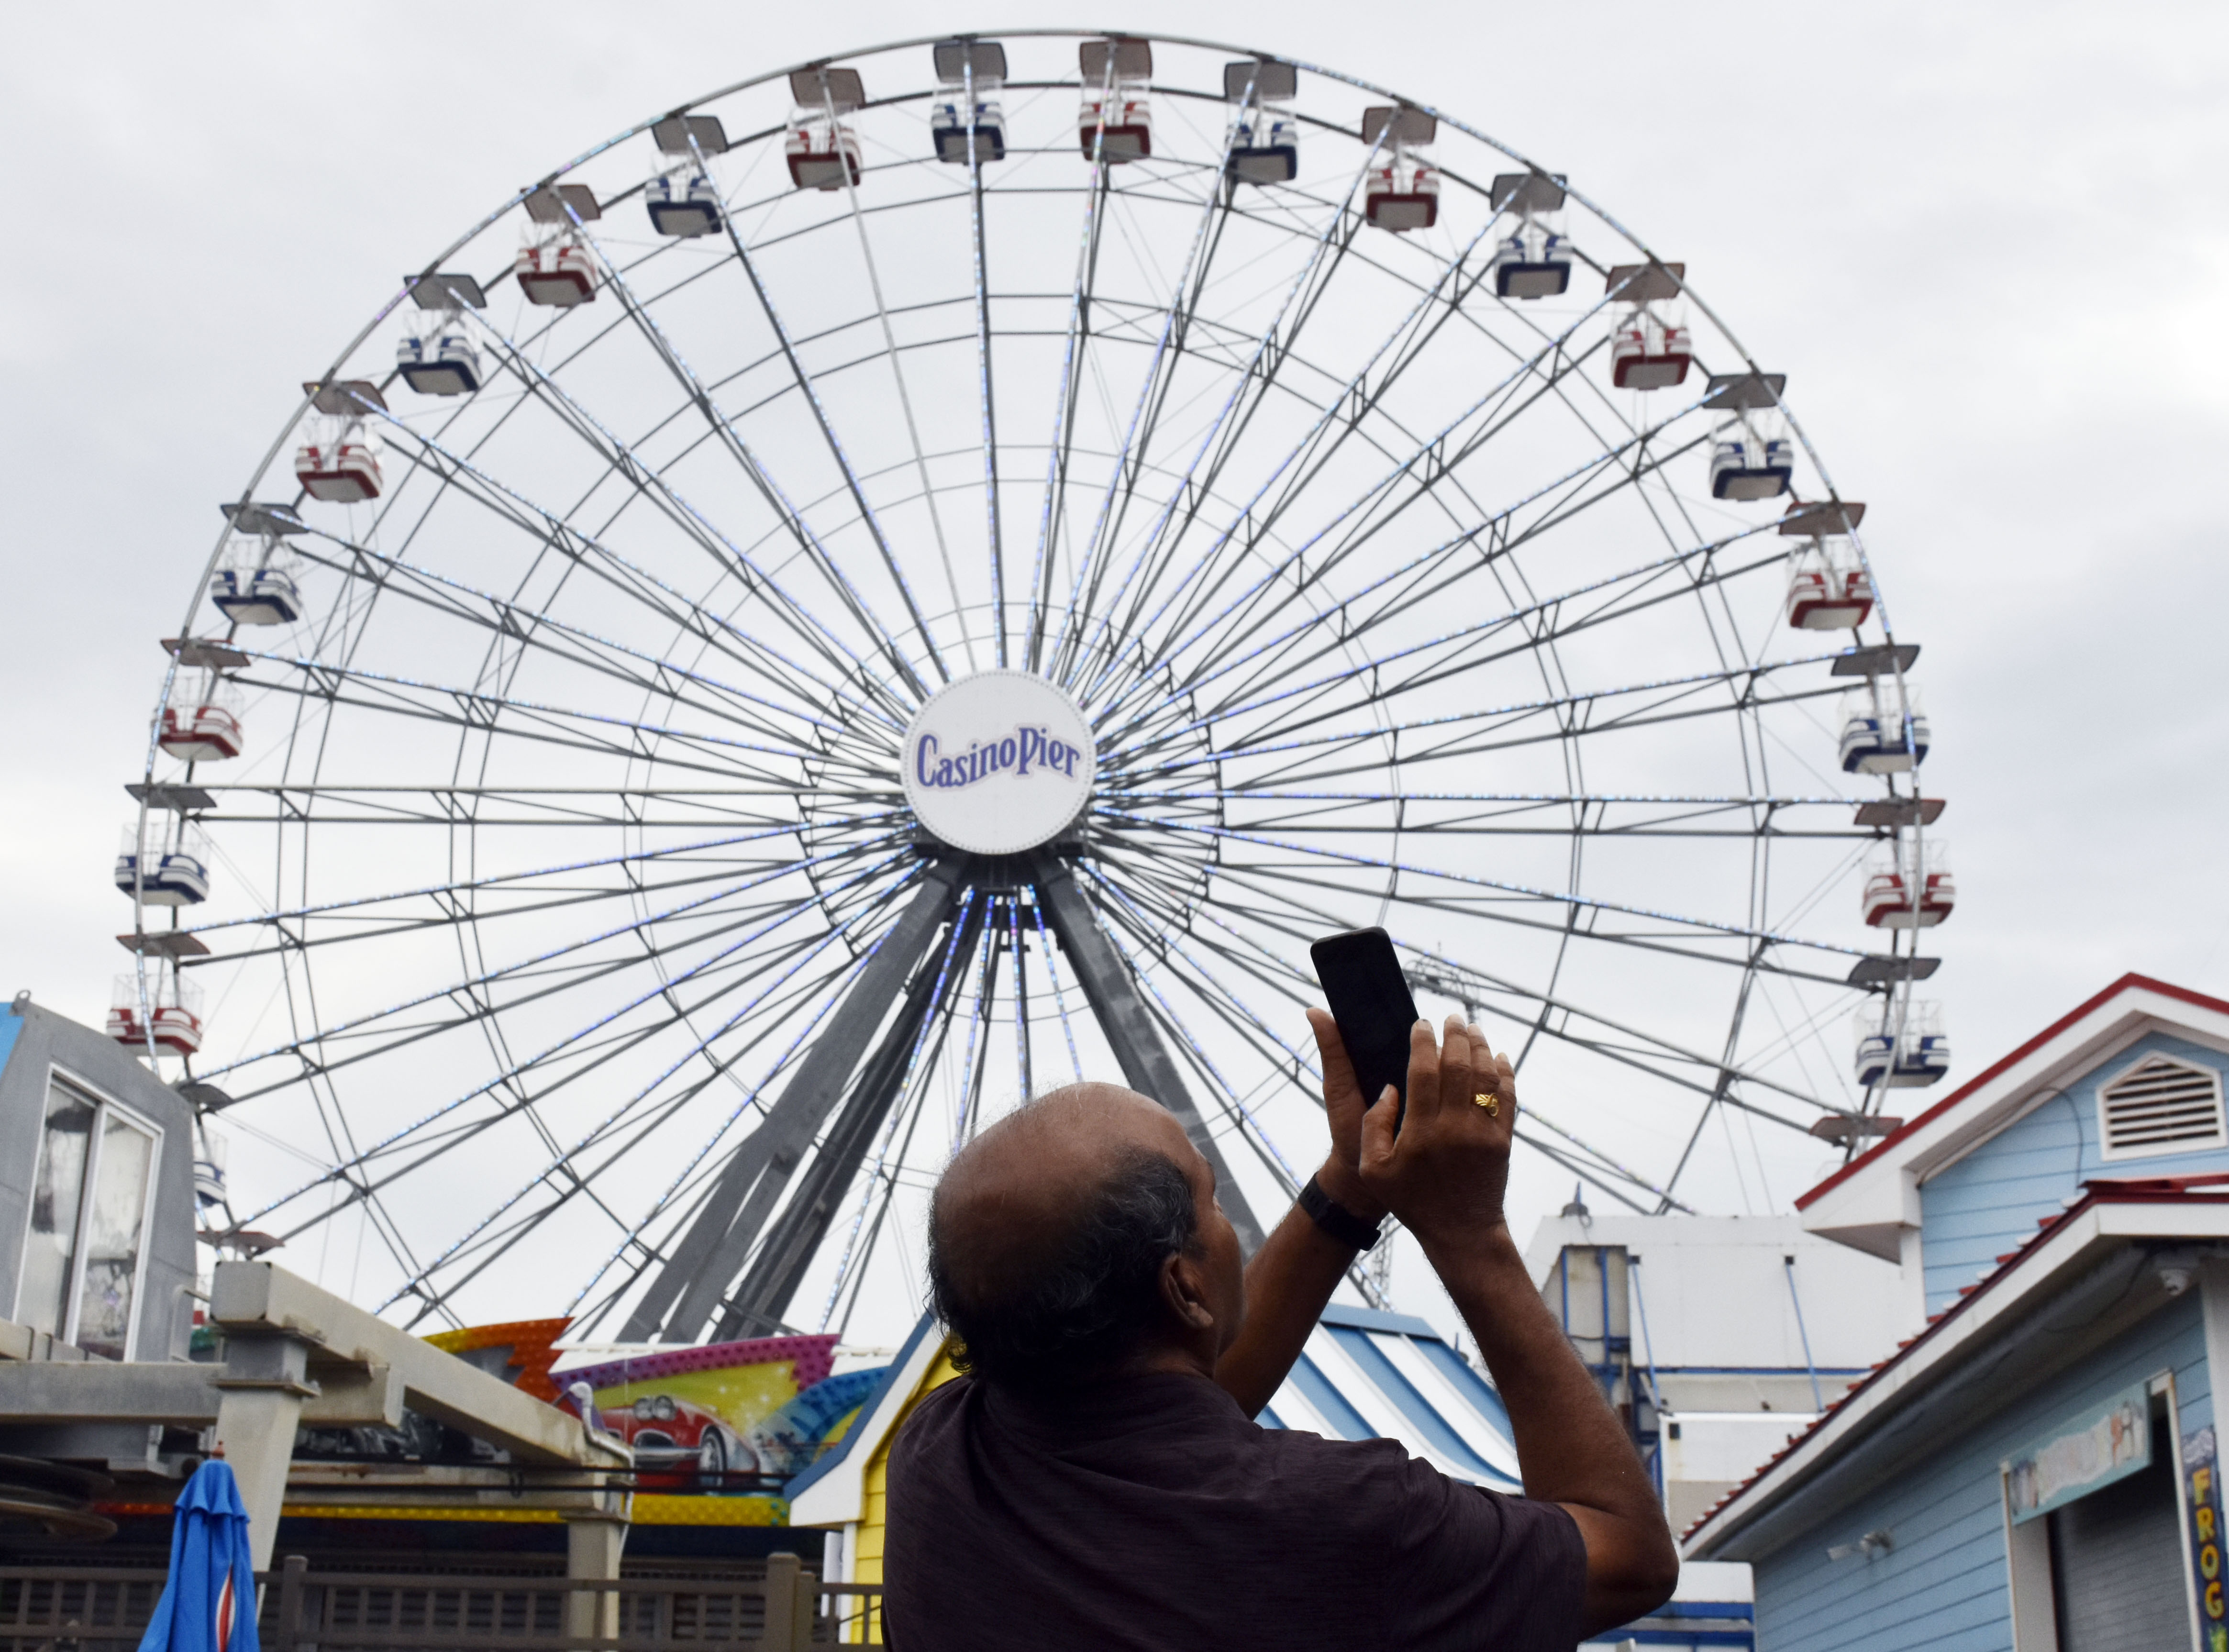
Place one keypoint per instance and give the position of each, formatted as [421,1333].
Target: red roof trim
[2127,983]
[2164,1189]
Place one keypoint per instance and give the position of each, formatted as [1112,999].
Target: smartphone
[1369,998]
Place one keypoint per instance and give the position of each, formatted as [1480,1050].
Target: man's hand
[1344,1107]
[1443,1175]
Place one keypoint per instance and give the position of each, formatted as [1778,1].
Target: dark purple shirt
[1154,1513]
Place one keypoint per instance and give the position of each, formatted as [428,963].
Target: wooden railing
[89,1609]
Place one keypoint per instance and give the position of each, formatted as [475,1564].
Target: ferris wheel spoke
[587,1055]
[1243,1120]
[811,395]
[642,672]
[1617,1040]
[1603,1163]
[879,1177]
[992,528]
[756,473]
[1155,924]
[660,990]
[1540,625]
[478,711]
[1620,594]
[1260,365]
[564,1166]
[787,997]
[1566,713]
[1021,998]
[455,471]
[1137,440]
[709,1179]
[646,1130]
[905,400]
[1430,459]
[906,1090]
[450,902]
[778,1261]
[1350,394]
[1327,857]
[692,1286]
[738,807]
[1591,484]
[978,1052]
[1611,1187]
[638,668]
[1059,997]
[1053,513]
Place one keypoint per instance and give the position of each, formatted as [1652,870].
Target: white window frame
[2108,1152]
[104,1104]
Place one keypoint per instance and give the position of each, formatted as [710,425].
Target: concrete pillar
[594,1544]
[261,1392]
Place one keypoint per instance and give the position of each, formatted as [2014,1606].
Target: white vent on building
[2161,1105]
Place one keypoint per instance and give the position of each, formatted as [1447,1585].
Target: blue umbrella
[208,1600]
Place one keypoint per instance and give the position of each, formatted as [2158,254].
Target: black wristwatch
[1336,1219]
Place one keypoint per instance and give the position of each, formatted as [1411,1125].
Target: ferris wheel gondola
[898,638]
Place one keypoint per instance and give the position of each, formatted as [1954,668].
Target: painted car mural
[738,1418]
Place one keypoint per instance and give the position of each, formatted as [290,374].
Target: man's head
[1080,1237]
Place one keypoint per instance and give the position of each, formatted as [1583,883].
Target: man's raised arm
[1293,1274]
[1443,1175]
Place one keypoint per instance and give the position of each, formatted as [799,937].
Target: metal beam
[185,1394]
[760,1302]
[1147,1066]
[712,1253]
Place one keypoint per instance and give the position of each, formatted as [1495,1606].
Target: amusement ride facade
[918,578]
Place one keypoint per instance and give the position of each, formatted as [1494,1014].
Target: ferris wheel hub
[998,762]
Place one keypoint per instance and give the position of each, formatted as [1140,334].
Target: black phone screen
[1369,998]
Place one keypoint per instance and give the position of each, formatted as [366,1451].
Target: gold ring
[1489,1101]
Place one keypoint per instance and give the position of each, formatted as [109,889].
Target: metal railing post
[781,1631]
[290,1602]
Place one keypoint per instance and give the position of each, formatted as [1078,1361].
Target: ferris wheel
[924,577]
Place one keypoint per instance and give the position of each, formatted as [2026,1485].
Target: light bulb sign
[998,762]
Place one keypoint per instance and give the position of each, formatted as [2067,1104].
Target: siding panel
[1990,1201]
[1941,1587]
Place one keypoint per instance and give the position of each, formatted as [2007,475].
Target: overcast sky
[1988,243]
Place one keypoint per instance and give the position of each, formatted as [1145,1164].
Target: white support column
[593,1545]
[260,1405]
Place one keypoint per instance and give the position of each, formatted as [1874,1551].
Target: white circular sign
[998,762]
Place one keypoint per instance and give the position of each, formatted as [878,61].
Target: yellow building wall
[874,1511]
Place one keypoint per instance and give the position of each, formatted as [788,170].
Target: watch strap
[1336,1219]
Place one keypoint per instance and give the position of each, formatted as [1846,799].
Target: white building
[1719,1338]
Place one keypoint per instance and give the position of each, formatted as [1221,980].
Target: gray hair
[1044,1321]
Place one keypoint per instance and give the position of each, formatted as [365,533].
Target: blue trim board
[1268,1418]
[1482,1394]
[827,1464]
[1387,1377]
[10,1026]
[1330,1403]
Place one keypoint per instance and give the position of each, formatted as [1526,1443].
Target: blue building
[2037,1468]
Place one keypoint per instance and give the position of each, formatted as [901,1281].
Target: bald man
[1097,1480]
